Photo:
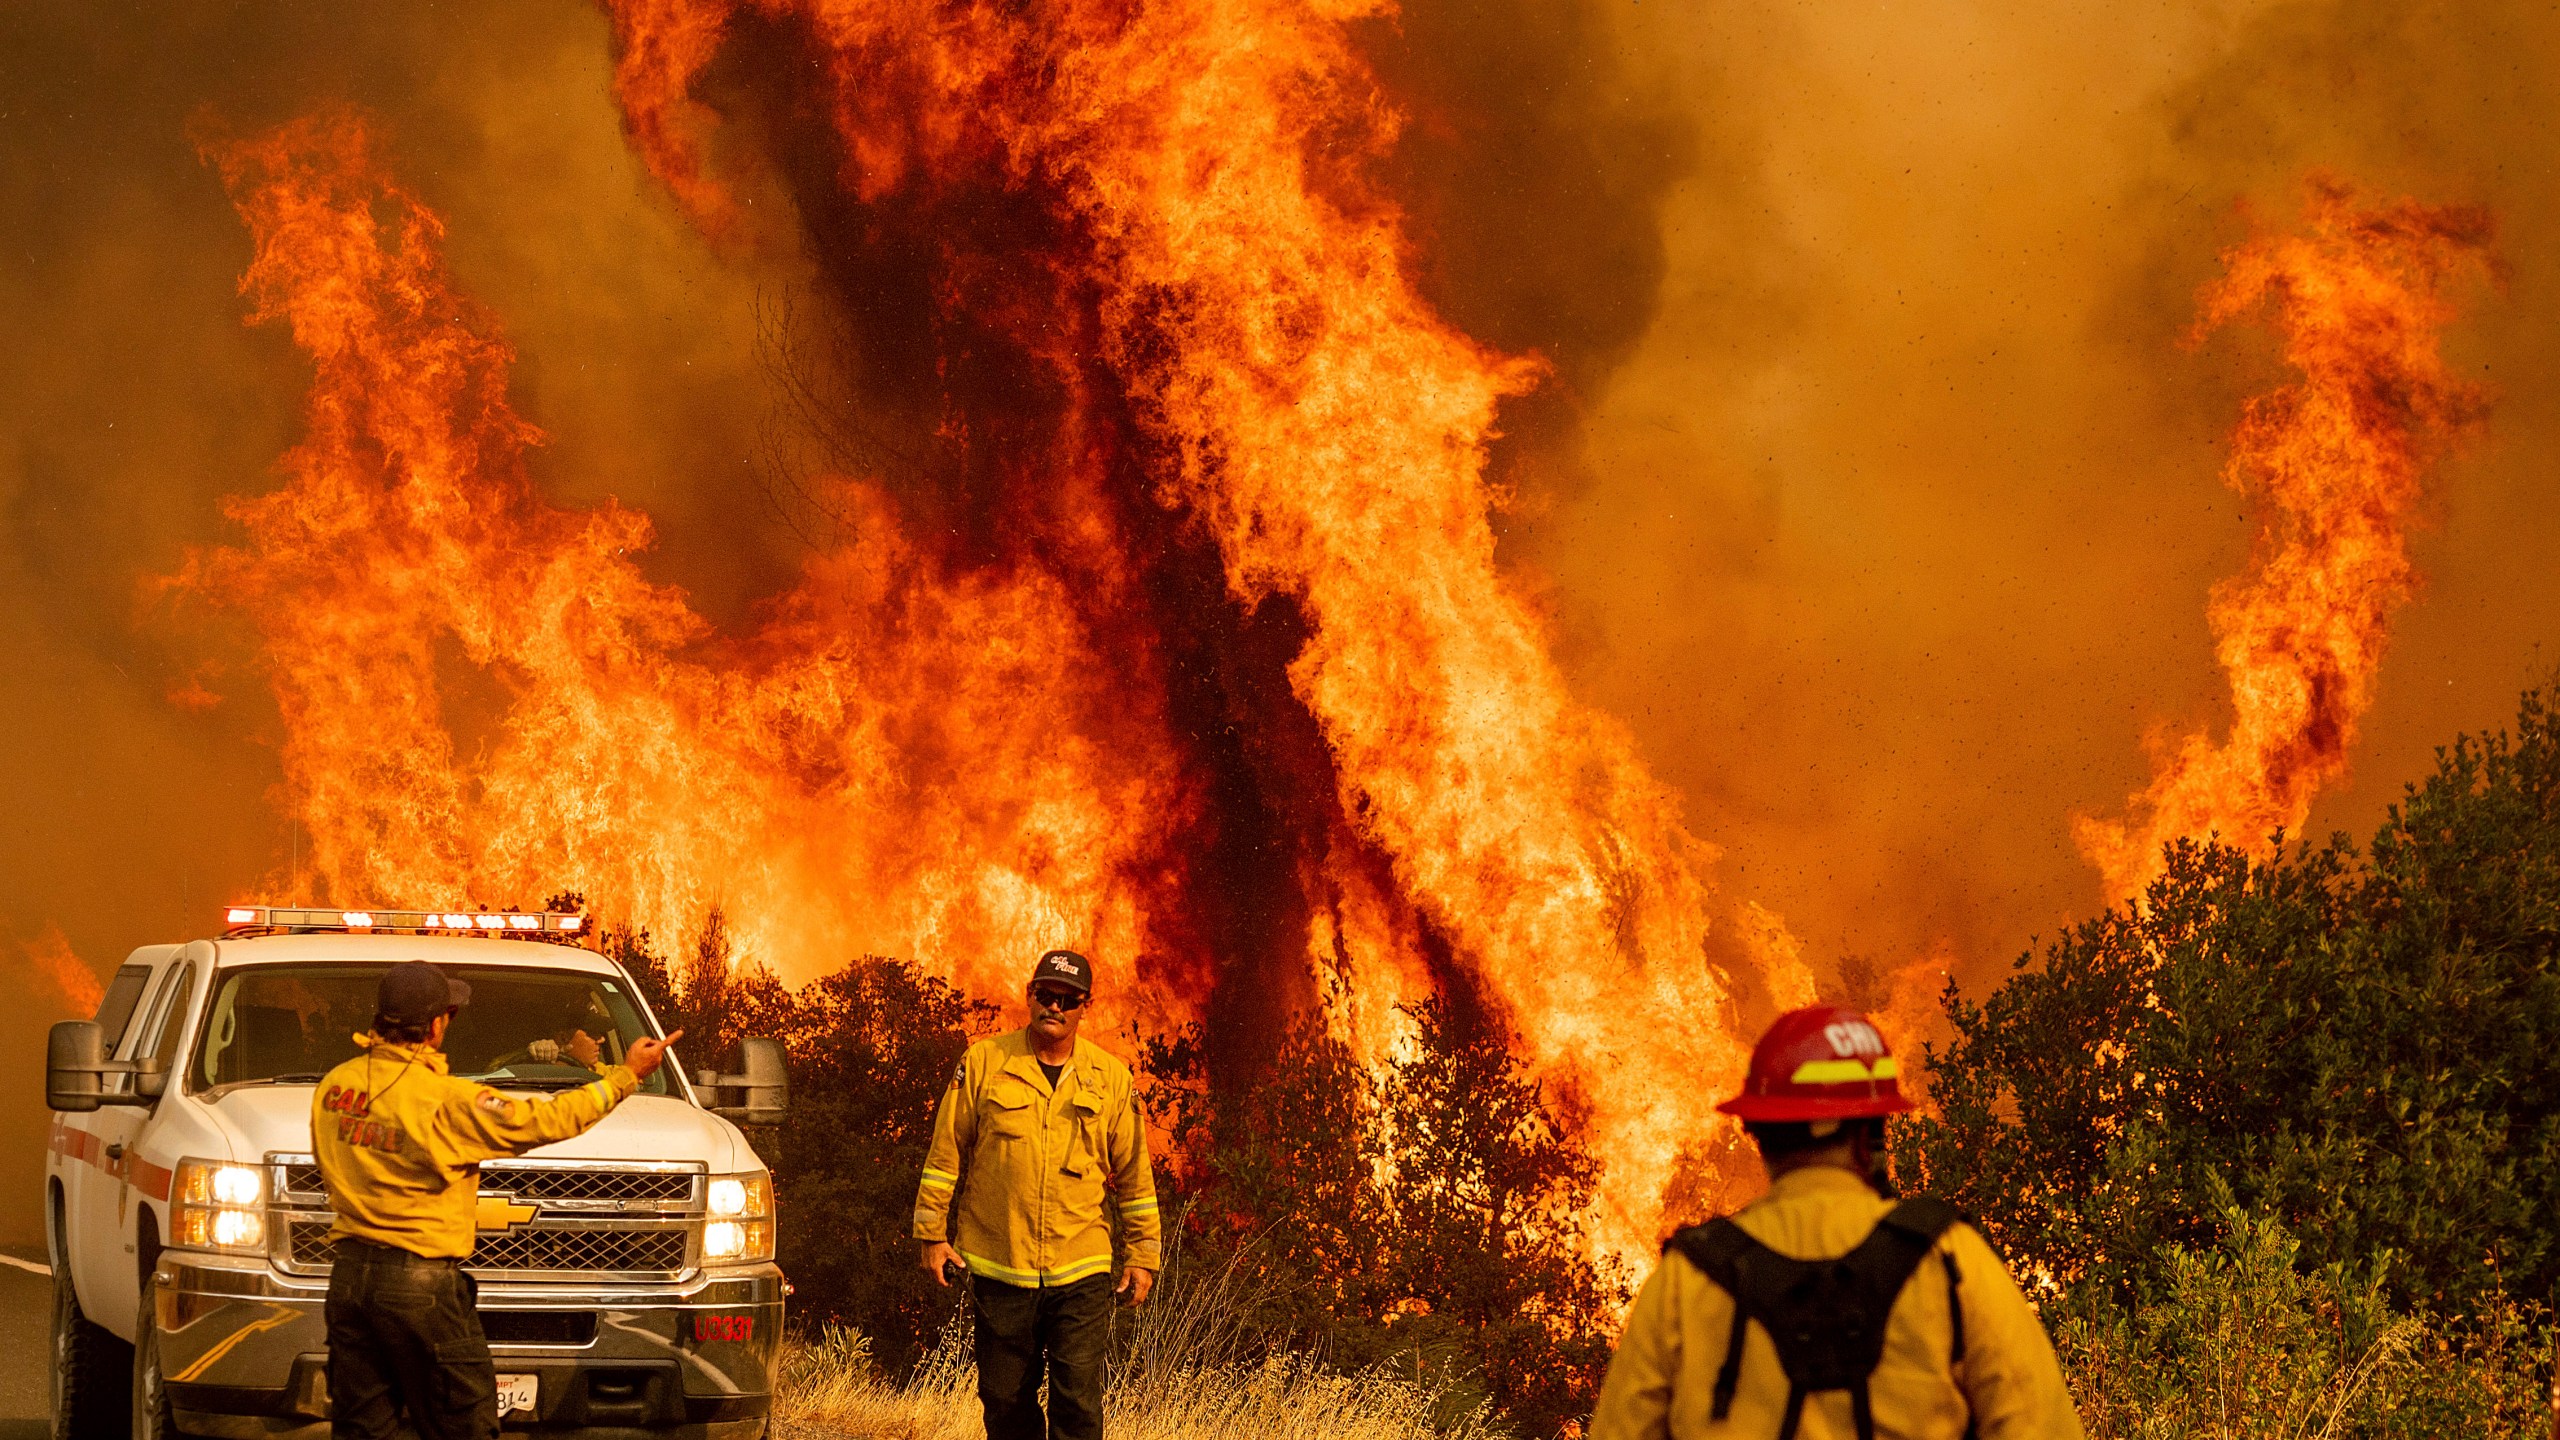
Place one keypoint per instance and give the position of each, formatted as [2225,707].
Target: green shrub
[2365,1047]
[2244,1343]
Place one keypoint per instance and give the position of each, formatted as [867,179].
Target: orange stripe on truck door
[73,1143]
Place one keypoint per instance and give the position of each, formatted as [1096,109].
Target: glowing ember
[2336,465]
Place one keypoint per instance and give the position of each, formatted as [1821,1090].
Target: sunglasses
[1049,999]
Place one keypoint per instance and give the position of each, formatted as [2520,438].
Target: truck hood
[263,1119]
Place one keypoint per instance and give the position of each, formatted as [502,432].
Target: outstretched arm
[478,1123]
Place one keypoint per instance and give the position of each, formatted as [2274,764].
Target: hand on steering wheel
[581,1049]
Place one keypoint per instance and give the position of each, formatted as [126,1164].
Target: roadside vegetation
[2276,1148]
[2281,1144]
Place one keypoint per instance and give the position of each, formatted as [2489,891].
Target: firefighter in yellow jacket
[1823,1309]
[400,1141]
[1038,1139]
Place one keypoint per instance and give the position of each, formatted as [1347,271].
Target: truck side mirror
[75,1071]
[72,1055]
[760,1092]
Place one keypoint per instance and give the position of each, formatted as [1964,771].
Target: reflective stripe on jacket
[400,1142]
[1662,1381]
[1030,1164]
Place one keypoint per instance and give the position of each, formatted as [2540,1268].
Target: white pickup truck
[626,1276]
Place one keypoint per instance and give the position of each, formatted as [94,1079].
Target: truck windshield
[291,1023]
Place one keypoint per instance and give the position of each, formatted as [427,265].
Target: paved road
[26,1338]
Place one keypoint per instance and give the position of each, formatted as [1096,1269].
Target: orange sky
[1872,492]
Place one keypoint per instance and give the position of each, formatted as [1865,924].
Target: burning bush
[1421,1221]
[872,1047]
[1426,1219]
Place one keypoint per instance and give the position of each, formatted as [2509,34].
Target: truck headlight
[740,1225]
[218,1206]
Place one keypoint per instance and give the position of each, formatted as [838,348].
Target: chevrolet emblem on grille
[497,1212]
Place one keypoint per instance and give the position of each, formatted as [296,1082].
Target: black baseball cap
[414,993]
[1067,968]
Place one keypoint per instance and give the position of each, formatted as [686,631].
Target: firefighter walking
[400,1141]
[1037,1130]
[1824,1309]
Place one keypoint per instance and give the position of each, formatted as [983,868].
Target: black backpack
[1826,1316]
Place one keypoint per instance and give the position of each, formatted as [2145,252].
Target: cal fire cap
[1067,968]
[414,992]
[1820,1063]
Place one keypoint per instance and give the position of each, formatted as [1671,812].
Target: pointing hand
[646,1055]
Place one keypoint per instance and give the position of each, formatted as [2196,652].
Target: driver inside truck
[576,1037]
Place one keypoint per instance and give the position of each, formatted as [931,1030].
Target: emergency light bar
[530,924]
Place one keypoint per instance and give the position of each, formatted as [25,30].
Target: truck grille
[566,1248]
[629,1220]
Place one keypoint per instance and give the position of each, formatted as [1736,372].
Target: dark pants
[1068,1328]
[405,1339]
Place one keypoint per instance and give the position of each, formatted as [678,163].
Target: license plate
[515,1392]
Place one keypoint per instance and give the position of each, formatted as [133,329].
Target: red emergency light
[520,924]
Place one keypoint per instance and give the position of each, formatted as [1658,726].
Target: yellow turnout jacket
[1662,1382]
[1029,1166]
[400,1142]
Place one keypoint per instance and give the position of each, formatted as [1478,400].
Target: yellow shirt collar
[418,1054]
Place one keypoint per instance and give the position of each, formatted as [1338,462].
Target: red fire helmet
[1824,1062]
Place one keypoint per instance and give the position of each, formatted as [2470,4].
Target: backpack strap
[1795,1413]
[1931,1218]
[1955,1309]
[1921,1218]
[1901,1240]
[1759,1278]
[1717,1248]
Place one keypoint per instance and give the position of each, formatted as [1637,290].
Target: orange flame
[812,776]
[2336,464]
[967,754]
[1253,304]
[51,954]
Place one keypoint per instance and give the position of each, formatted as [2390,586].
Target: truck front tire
[92,1372]
[152,1419]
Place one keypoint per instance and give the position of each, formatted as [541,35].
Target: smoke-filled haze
[1870,486]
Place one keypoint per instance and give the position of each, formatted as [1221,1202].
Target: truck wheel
[152,1418]
[92,1372]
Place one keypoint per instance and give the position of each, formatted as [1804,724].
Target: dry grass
[1182,1368]
[831,1388]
